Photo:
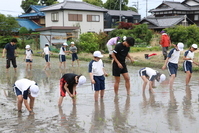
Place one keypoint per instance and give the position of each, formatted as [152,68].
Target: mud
[163,111]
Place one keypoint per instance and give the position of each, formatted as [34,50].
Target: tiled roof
[164,22]
[28,24]
[125,13]
[37,12]
[74,5]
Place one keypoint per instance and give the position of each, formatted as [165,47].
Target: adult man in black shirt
[10,49]
[119,55]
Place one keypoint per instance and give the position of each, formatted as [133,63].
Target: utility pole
[120,9]
[146,7]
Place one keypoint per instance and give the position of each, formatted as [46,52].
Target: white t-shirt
[24,84]
[46,50]
[96,67]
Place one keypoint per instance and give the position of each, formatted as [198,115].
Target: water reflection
[187,105]
[98,123]
[70,122]
[172,113]
[120,119]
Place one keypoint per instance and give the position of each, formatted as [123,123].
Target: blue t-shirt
[10,50]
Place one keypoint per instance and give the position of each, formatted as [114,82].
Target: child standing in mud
[28,57]
[172,60]
[188,60]
[96,73]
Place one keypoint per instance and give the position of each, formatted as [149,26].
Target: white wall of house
[85,26]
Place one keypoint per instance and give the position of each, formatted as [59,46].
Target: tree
[94,2]
[8,25]
[25,4]
[48,2]
[115,5]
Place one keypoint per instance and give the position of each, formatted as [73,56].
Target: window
[93,18]
[55,17]
[196,17]
[75,17]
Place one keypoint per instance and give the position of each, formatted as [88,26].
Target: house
[32,19]
[70,19]
[112,17]
[170,13]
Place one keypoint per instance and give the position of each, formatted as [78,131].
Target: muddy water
[163,111]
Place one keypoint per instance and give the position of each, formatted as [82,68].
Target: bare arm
[165,63]
[130,57]
[27,106]
[4,51]
[91,78]
[116,60]
[67,90]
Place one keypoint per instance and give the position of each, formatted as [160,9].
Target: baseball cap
[46,44]
[81,81]
[195,46]
[65,44]
[124,38]
[34,90]
[97,54]
[180,46]
[162,78]
[72,43]
[162,31]
[27,46]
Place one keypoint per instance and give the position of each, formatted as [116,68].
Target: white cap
[180,46]
[162,78]
[124,38]
[194,46]
[27,46]
[97,54]
[72,43]
[65,44]
[81,80]
[34,90]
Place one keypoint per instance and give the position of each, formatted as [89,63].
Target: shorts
[99,83]
[47,58]
[62,58]
[16,91]
[116,71]
[142,72]
[172,68]
[74,56]
[62,90]
[29,60]
[187,66]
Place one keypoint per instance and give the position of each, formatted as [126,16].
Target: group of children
[47,52]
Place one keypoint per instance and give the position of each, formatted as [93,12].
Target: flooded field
[162,112]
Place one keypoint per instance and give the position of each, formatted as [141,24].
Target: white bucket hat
[27,46]
[162,78]
[97,54]
[194,46]
[34,90]
[180,46]
[81,80]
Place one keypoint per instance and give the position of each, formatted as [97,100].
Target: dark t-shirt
[70,79]
[10,50]
[121,52]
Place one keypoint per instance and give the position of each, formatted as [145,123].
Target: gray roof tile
[125,13]
[74,5]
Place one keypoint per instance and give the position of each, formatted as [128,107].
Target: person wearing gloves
[68,83]
[97,73]
[24,88]
[188,60]
[28,57]
[150,74]
[172,60]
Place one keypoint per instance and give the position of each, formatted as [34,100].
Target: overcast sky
[14,8]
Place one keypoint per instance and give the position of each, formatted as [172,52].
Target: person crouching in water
[149,74]
[68,83]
